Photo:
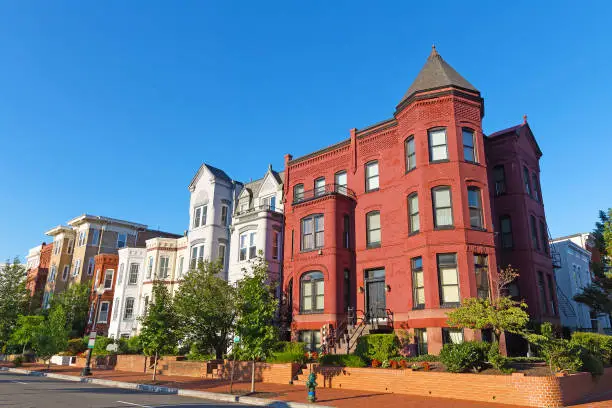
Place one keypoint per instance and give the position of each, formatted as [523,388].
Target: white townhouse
[573,275]
[258,225]
[213,194]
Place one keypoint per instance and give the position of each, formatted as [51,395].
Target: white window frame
[99,320]
[119,235]
[77,267]
[53,273]
[201,220]
[150,267]
[70,247]
[133,274]
[116,306]
[433,147]
[221,254]
[82,238]
[276,245]
[372,181]
[95,236]
[66,273]
[179,266]
[57,246]
[91,266]
[106,273]
[120,276]
[224,215]
[129,316]
[197,256]
[163,267]
[252,244]
[243,249]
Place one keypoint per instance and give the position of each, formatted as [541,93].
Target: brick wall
[198,369]
[516,389]
[126,362]
[268,373]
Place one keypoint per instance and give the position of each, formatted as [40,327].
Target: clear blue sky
[109,107]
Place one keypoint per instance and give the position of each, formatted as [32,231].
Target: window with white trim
[221,255]
[133,280]
[77,268]
[371,176]
[66,272]
[438,150]
[108,278]
[82,240]
[418,283]
[475,206]
[70,247]
[103,313]
[312,292]
[414,223]
[410,154]
[449,279]
[120,276]
[197,255]
[57,246]
[275,244]
[52,273]
[90,266]
[95,236]
[164,267]
[373,230]
[243,247]
[443,207]
[150,268]
[319,186]
[252,245]
[298,193]
[341,182]
[224,213]
[199,216]
[121,240]
[469,146]
[313,231]
[179,271]
[116,308]
[128,311]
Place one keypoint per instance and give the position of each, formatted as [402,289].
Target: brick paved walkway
[326,396]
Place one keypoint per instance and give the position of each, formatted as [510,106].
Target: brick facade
[37,276]
[104,263]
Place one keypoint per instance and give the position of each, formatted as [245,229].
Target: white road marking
[20,382]
[131,403]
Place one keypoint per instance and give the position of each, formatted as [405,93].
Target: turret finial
[524,119]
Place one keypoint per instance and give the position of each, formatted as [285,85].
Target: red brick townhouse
[105,276]
[400,221]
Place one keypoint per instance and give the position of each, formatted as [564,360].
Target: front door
[375,294]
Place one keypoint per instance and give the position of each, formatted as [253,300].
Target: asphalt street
[22,391]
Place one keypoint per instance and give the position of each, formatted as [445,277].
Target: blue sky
[110,107]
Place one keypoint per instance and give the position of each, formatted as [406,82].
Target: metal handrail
[327,189]
[262,207]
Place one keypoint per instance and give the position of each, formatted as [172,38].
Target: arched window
[475,205]
[312,292]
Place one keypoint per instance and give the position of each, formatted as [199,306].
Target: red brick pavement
[326,396]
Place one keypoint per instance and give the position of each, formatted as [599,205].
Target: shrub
[342,360]
[18,361]
[495,358]
[597,344]
[417,359]
[287,357]
[377,346]
[592,363]
[76,346]
[562,355]
[469,355]
[100,347]
[526,359]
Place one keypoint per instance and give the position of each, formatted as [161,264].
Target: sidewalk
[326,396]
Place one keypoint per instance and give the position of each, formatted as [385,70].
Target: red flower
[394,364]
[375,363]
[426,366]
[403,363]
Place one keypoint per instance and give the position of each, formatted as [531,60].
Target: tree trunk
[24,346]
[155,367]
[49,364]
[253,378]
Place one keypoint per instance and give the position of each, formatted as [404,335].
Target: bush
[342,360]
[287,357]
[130,345]
[597,344]
[562,355]
[418,359]
[592,363]
[469,355]
[526,359]
[100,346]
[18,361]
[495,358]
[76,346]
[379,347]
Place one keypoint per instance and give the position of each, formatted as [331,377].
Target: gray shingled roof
[436,73]
[218,172]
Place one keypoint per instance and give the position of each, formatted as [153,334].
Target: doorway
[376,302]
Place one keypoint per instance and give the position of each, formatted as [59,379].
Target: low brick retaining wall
[264,372]
[515,389]
[131,362]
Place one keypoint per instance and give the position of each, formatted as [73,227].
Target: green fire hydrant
[311,386]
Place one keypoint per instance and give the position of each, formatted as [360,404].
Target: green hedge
[342,360]
[288,352]
[379,347]
[599,345]
[76,346]
[417,359]
[466,356]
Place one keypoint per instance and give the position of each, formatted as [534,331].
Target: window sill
[305,312]
[472,162]
[373,246]
[411,170]
[372,190]
[450,305]
[439,161]
[305,251]
[450,227]
[418,307]
[412,234]
[478,229]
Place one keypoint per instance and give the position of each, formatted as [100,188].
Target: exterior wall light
[387,288]
[361,289]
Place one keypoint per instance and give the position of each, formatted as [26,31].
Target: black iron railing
[263,207]
[327,189]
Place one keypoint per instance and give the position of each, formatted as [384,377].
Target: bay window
[438,151]
[443,207]
[312,291]
[313,232]
[475,206]
[449,279]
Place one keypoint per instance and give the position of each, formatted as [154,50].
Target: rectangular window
[475,205]
[298,193]
[346,233]
[128,312]
[534,233]
[312,338]
[499,177]
[346,290]
[103,313]
[418,283]
[469,151]
[120,276]
[121,240]
[57,246]
[90,266]
[371,174]
[108,278]
[224,213]
[452,336]
[116,308]
[243,247]
[95,237]
[313,230]
[544,236]
[535,184]
[164,267]
[373,234]
[204,214]
[410,154]
[221,256]
[82,239]
[438,150]
[77,267]
[313,293]
[133,279]
[505,225]
[179,271]
[542,290]
[421,339]
[66,272]
[449,279]
[70,246]
[341,182]
[442,203]
[551,293]
[319,186]
[197,217]
[52,273]
[150,268]
[252,245]
[526,181]
[413,214]
[275,244]
[481,269]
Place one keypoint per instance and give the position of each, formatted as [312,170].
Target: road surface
[22,391]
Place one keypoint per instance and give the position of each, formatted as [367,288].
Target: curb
[213,396]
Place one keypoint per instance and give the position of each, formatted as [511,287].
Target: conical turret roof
[436,73]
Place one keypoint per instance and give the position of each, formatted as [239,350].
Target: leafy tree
[205,307]
[159,325]
[51,336]
[13,298]
[256,306]
[598,295]
[75,301]
[26,330]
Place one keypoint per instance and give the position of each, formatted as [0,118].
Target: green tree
[598,295]
[51,336]
[13,298]
[159,325]
[26,330]
[205,308]
[75,301]
[256,306]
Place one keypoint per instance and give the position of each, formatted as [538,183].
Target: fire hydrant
[311,386]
